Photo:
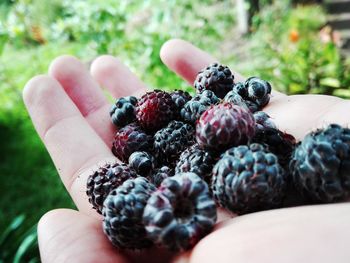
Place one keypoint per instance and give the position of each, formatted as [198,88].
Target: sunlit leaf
[330,82]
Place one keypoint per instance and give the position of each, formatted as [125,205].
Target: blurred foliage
[18,243]
[291,53]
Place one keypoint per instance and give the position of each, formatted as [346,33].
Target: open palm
[70,113]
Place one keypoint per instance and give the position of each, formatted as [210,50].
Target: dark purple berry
[248,179]
[170,141]
[180,98]
[180,212]
[123,111]
[223,126]
[155,110]
[215,77]
[259,91]
[142,162]
[320,164]
[130,139]
[123,210]
[104,180]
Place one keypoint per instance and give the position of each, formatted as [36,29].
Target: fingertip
[48,224]
[52,216]
[170,47]
[184,58]
[111,73]
[65,66]
[102,65]
[36,87]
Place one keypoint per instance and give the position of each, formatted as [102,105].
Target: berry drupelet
[236,99]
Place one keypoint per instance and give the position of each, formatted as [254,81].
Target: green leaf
[330,82]
[3,41]
[25,246]
[344,93]
[296,88]
[15,224]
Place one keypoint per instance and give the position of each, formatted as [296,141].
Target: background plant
[291,53]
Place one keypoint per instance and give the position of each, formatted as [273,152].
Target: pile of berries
[183,156]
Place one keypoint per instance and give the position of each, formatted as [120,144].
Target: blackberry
[123,111]
[142,162]
[248,179]
[254,91]
[123,210]
[180,212]
[258,91]
[160,174]
[155,109]
[223,126]
[170,141]
[217,78]
[279,143]
[240,92]
[129,139]
[104,180]
[194,108]
[263,121]
[198,161]
[180,98]
[320,164]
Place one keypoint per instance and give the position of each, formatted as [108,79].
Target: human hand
[70,113]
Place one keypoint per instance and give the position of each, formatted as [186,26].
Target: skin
[70,113]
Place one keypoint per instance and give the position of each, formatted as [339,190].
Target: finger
[69,236]
[72,143]
[66,235]
[302,234]
[112,74]
[85,93]
[186,60]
